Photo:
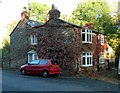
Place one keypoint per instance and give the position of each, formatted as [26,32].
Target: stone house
[20,41]
[72,46]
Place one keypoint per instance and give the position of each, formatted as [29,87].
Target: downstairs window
[86,59]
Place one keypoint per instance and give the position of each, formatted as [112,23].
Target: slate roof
[32,51]
[33,23]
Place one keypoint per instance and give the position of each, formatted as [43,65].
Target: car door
[32,68]
[42,65]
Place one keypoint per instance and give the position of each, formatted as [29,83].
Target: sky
[10,10]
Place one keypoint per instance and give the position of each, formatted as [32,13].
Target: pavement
[104,75]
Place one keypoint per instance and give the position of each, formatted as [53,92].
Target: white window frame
[88,35]
[101,59]
[33,53]
[102,39]
[87,56]
[33,39]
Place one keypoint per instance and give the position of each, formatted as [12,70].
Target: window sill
[86,65]
[33,43]
[87,42]
[102,43]
[101,62]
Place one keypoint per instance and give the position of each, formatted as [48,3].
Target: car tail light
[54,66]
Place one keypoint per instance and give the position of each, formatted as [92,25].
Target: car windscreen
[34,62]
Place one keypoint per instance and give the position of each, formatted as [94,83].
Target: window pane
[101,57]
[87,60]
[34,62]
[33,38]
[90,60]
[90,38]
[30,57]
[83,30]
[102,39]
[42,62]
[83,53]
[87,37]
[87,31]
[83,61]
[90,31]
[35,56]
[83,37]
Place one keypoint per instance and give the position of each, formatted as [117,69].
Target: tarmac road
[14,81]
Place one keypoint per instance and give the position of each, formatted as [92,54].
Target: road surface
[14,81]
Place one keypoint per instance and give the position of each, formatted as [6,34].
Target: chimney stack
[54,13]
[24,14]
[89,25]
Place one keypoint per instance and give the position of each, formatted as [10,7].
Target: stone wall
[19,45]
[57,41]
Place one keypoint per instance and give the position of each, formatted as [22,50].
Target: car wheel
[45,74]
[57,74]
[23,72]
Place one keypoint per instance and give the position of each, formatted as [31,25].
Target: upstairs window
[86,59]
[102,39]
[86,36]
[33,40]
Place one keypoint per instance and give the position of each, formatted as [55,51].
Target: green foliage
[38,11]
[6,47]
[97,12]
[114,40]
[6,40]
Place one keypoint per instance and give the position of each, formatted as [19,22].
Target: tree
[96,12]
[100,14]
[5,49]
[38,11]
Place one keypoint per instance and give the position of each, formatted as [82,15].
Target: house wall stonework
[19,45]
[57,42]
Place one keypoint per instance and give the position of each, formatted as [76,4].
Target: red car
[42,66]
